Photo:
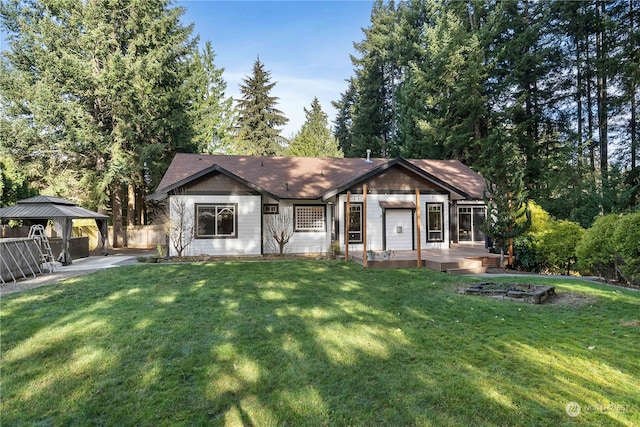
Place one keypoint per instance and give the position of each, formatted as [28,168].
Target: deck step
[487,261]
[467,270]
[451,265]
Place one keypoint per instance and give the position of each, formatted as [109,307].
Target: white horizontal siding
[302,242]
[247,240]
[375,222]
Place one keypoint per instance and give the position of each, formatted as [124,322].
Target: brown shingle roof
[307,177]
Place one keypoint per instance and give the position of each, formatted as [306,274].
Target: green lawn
[313,343]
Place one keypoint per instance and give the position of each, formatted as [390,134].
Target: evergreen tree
[97,89]
[376,78]
[314,138]
[505,195]
[212,112]
[343,123]
[258,117]
[442,105]
[13,184]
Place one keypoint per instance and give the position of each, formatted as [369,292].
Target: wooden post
[364,225]
[418,228]
[347,216]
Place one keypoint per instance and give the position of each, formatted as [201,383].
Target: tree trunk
[579,102]
[601,68]
[632,92]
[592,157]
[116,210]
[511,252]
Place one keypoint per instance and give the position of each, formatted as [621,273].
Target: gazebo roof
[46,207]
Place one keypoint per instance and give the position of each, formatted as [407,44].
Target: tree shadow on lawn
[302,343]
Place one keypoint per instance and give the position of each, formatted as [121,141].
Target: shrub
[556,248]
[596,250]
[627,245]
[526,247]
[540,219]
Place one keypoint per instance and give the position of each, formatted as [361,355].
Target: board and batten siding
[375,227]
[248,226]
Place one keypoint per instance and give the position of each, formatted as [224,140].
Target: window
[215,221]
[270,209]
[435,222]
[355,222]
[471,220]
[309,218]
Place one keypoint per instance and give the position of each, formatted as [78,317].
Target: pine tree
[314,138]
[258,117]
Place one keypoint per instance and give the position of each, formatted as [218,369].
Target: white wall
[248,227]
[302,241]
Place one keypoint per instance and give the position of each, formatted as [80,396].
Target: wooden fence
[139,236]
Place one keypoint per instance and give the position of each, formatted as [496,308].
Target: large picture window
[309,218]
[216,221]
[435,222]
[354,220]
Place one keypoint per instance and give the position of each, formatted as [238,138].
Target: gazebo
[62,212]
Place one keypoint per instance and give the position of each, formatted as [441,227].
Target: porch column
[364,225]
[418,228]
[346,226]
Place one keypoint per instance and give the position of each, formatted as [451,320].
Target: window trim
[197,206]
[428,227]
[309,230]
[347,217]
[270,209]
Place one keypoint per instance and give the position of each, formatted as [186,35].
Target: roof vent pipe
[368,160]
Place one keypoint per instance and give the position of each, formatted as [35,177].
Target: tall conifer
[258,117]
[314,138]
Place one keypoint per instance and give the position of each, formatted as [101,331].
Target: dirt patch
[632,323]
[571,299]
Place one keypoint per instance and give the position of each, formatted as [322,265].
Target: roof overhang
[386,204]
[163,193]
[400,162]
[48,211]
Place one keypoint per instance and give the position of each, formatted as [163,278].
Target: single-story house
[231,199]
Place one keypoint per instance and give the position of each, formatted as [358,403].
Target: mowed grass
[313,343]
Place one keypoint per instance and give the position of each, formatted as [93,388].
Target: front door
[399,235]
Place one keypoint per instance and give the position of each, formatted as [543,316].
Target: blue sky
[304,44]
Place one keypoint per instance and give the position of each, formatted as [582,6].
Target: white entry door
[399,229]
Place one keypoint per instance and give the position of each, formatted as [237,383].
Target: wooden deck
[459,259]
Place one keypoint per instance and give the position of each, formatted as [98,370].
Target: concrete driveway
[102,261]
